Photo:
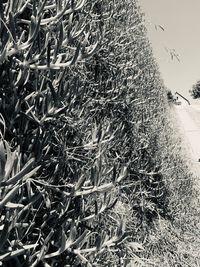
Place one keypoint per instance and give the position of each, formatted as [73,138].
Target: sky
[180,20]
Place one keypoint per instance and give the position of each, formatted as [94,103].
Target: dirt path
[189,121]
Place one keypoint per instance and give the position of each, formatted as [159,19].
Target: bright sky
[181,22]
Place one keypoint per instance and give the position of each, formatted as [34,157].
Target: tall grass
[83,109]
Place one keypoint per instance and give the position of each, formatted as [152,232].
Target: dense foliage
[83,124]
[195,91]
[170,96]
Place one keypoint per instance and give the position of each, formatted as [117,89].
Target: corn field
[82,113]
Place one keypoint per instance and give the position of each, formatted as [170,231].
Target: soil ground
[188,119]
